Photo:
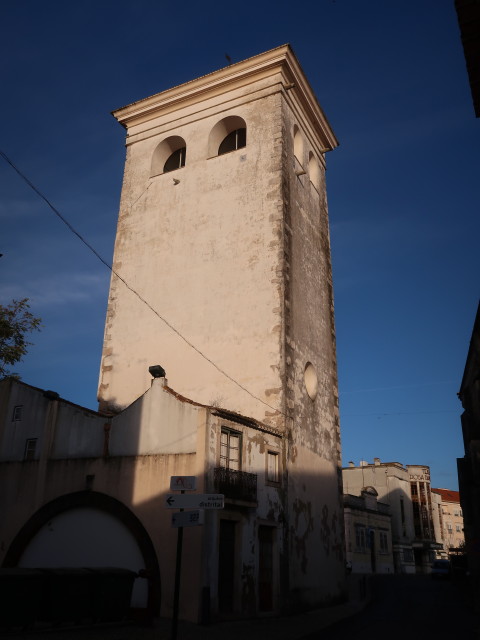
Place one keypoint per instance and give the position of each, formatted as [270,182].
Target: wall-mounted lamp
[156,371]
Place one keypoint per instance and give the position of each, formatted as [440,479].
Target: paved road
[410,607]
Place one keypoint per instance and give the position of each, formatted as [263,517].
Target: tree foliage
[16,321]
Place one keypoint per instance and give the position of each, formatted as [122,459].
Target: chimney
[351,464]
[376,462]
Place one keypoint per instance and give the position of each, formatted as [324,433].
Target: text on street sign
[188,518]
[194,501]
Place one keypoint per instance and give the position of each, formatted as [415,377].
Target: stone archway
[110,513]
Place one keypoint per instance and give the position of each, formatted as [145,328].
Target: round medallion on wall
[311,380]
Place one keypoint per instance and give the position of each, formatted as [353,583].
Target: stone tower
[223,233]
[230,246]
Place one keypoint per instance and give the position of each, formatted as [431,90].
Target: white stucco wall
[87,538]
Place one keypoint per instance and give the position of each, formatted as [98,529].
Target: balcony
[235,485]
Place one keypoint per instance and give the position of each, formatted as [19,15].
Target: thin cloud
[60,289]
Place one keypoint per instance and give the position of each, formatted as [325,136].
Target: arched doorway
[89,529]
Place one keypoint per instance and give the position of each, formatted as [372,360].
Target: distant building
[368,533]
[451,519]
[406,489]
[425,544]
[391,481]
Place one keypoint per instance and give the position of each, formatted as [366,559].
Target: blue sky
[403,187]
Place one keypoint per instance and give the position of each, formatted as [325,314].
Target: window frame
[360,538]
[182,154]
[17,413]
[230,434]
[270,455]
[237,133]
[383,541]
[29,451]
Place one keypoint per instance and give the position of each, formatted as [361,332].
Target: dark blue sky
[403,187]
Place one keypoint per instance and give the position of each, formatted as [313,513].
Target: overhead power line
[117,275]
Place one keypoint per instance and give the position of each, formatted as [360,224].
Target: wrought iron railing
[237,485]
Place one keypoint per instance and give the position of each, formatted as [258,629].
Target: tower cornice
[265,67]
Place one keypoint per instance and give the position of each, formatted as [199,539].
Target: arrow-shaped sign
[194,501]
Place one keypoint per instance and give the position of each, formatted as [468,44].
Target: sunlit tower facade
[223,233]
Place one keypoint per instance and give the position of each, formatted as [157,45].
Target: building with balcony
[221,272]
[74,480]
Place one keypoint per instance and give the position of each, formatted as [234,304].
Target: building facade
[74,480]
[406,489]
[391,481]
[223,230]
[451,519]
[221,273]
[426,545]
[368,533]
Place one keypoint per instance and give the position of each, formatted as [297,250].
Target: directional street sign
[187,518]
[183,483]
[194,501]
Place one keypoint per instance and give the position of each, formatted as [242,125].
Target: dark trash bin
[111,593]
[67,597]
[20,595]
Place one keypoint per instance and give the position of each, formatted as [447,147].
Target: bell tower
[223,241]
[223,232]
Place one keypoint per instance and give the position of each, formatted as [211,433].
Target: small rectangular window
[30,448]
[407,555]
[17,413]
[360,538]
[457,528]
[230,449]
[272,466]
[383,542]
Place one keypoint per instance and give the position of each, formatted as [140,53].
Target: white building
[368,533]
[222,232]
[406,489]
[451,518]
[392,483]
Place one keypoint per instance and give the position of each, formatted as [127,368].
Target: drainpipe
[47,444]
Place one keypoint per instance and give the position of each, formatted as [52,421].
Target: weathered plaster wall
[76,453]
[393,486]
[360,559]
[313,462]
[61,428]
[269,510]
[206,255]
[140,483]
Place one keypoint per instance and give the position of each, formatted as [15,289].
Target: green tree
[16,321]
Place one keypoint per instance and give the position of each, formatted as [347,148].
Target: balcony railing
[236,485]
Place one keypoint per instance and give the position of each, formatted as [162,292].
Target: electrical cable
[117,275]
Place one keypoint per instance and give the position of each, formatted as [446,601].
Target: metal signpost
[186,519]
